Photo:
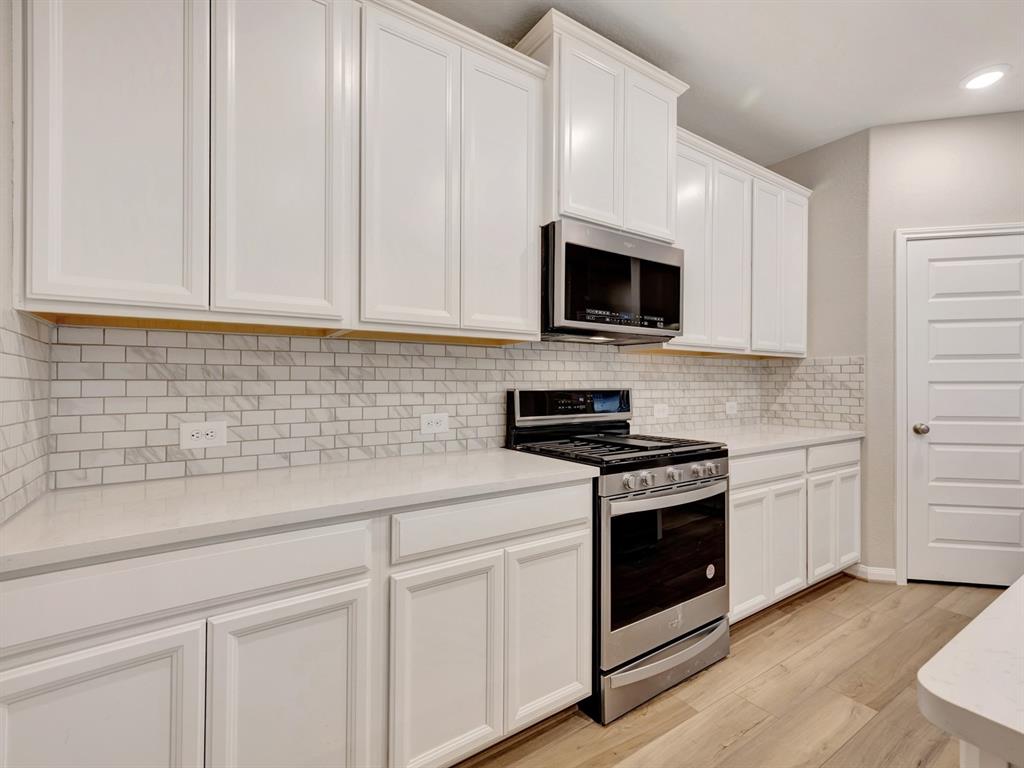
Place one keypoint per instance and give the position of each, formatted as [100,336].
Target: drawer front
[51,604]
[833,455]
[765,467]
[455,526]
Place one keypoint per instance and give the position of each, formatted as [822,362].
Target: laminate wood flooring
[827,678]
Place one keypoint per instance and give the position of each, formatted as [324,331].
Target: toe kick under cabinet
[410,639]
[794,519]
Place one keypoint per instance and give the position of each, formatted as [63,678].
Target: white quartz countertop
[974,687]
[66,527]
[761,438]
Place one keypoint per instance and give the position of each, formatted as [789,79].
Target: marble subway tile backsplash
[118,396]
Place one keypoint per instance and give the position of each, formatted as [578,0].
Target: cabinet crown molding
[463,35]
[555,22]
[738,161]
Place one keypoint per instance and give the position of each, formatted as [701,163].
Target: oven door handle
[662,665]
[626,507]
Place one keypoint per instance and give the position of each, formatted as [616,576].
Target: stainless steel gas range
[661,591]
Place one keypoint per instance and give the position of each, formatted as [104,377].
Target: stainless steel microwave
[603,286]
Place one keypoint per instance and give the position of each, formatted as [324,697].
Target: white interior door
[965,390]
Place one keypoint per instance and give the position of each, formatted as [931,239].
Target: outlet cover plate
[432,423]
[202,434]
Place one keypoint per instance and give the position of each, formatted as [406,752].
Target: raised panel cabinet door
[730,259]
[132,703]
[548,628]
[848,516]
[649,176]
[794,273]
[411,157]
[288,682]
[501,112]
[118,123]
[766,258]
[749,547]
[821,526]
[284,215]
[592,89]
[694,173]
[447,660]
[788,538]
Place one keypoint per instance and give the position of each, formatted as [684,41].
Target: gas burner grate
[605,449]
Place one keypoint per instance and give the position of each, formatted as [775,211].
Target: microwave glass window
[604,287]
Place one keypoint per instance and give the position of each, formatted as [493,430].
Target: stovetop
[601,449]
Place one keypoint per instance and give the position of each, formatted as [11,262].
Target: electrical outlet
[202,434]
[432,423]
[731,408]
[661,410]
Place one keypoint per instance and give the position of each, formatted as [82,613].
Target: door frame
[903,237]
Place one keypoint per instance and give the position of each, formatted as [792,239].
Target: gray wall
[837,271]
[937,173]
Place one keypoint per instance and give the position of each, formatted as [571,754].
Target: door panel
[766,290]
[694,172]
[730,275]
[794,273]
[749,566]
[500,205]
[848,516]
[447,660]
[133,703]
[649,174]
[822,519]
[788,540]
[411,146]
[965,380]
[592,145]
[118,133]
[282,159]
[288,681]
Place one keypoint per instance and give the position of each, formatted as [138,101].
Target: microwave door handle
[662,665]
[668,500]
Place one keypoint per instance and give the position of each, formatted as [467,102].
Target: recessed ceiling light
[985,77]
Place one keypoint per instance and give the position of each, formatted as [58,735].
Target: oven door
[663,567]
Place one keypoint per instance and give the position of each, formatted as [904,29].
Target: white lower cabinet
[288,681]
[130,703]
[833,522]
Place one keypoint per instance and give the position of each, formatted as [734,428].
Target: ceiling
[770,79]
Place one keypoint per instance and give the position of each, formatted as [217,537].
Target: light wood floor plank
[879,676]
[844,596]
[968,601]
[897,737]
[909,602]
[805,737]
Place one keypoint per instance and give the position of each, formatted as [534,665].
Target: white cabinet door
[548,604]
[283,215]
[592,146]
[848,516]
[500,196]
[118,135]
[787,539]
[411,147]
[694,172]
[749,566]
[767,257]
[288,681]
[128,704]
[793,311]
[447,660]
[822,516]
[650,170]
[730,262]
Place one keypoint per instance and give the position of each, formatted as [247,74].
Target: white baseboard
[872,573]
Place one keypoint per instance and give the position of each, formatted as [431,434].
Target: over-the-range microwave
[604,286]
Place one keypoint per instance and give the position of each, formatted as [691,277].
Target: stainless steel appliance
[661,540]
[603,286]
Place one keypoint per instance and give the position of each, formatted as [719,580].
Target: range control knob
[647,479]
[629,482]
[697,470]
[709,469]
[676,475]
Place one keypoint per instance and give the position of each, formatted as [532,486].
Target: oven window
[603,287]
[661,558]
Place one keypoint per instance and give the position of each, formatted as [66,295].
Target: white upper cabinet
[794,273]
[500,196]
[591,100]
[283,162]
[694,173]
[650,174]
[411,147]
[611,131]
[117,132]
[730,261]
